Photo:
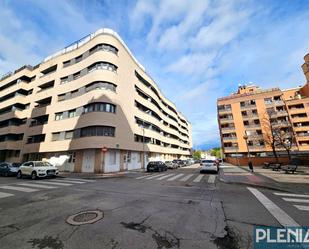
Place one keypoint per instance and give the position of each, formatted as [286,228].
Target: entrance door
[88,161]
[112,161]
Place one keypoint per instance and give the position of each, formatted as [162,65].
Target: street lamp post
[246,141]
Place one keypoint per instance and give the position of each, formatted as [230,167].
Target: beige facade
[90,95]
[242,117]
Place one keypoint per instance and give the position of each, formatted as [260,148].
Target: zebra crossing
[299,201]
[10,190]
[179,177]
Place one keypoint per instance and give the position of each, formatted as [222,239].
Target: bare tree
[278,132]
[287,139]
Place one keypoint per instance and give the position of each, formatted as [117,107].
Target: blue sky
[196,50]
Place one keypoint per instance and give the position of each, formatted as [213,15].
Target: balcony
[231,149]
[248,106]
[226,120]
[256,147]
[276,103]
[251,126]
[229,138]
[282,123]
[255,136]
[250,116]
[227,129]
[227,110]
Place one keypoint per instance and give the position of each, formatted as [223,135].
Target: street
[173,209]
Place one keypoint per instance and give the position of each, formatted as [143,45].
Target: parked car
[209,166]
[171,165]
[156,166]
[190,161]
[36,169]
[9,169]
[176,161]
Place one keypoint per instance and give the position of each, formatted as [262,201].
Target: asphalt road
[173,209]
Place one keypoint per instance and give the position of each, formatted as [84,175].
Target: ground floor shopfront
[98,161]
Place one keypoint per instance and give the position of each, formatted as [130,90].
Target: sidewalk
[97,176]
[265,178]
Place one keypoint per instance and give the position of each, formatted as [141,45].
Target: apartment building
[243,118]
[90,107]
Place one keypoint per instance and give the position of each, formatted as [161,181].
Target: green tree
[197,154]
[216,152]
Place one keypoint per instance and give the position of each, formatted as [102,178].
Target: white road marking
[198,178]
[296,200]
[175,177]
[79,179]
[3,195]
[22,189]
[34,185]
[211,179]
[282,217]
[56,183]
[67,181]
[141,177]
[163,177]
[292,195]
[302,208]
[155,176]
[186,178]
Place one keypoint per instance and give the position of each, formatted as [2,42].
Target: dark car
[9,169]
[156,166]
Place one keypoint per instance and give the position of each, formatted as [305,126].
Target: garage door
[88,161]
[112,161]
[135,162]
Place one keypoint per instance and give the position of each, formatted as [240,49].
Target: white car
[36,169]
[209,166]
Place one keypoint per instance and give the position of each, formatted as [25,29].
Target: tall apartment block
[242,116]
[89,108]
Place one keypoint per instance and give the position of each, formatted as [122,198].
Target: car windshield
[207,161]
[42,164]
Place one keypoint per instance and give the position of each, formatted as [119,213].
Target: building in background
[247,117]
[89,108]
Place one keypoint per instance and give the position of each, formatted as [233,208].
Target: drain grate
[85,217]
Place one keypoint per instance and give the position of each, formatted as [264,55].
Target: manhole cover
[86,217]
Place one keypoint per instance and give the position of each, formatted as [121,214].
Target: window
[128,157]
[97,131]
[59,116]
[78,58]
[64,80]
[72,157]
[55,136]
[68,134]
[76,75]
[100,107]
[61,97]
[72,113]
[66,63]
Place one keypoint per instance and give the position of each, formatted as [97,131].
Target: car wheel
[6,174]
[160,169]
[33,175]
[19,175]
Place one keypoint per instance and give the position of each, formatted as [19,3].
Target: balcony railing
[231,149]
[250,116]
[229,138]
[225,110]
[256,147]
[247,106]
[252,125]
[227,128]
